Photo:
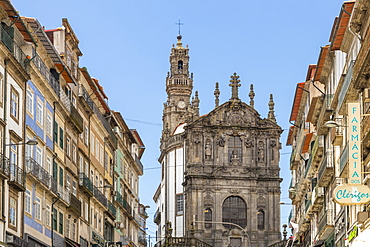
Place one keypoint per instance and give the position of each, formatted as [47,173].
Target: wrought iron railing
[343,159]
[17,175]
[4,165]
[86,182]
[64,194]
[32,167]
[100,197]
[345,86]
[112,209]
[75,205]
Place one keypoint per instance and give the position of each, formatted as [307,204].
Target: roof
[320,62]
[13,15]
[297,101]
[50,49]
[340,25]
[179,129]
[311,72]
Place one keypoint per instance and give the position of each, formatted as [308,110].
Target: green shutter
[60,223]
[55,219]
[55,171]
[61,176]
[61,138]
[55,132]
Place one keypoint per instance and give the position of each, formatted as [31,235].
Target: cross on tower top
[234,86]
[179,23]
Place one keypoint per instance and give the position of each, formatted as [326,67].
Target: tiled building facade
[70,165]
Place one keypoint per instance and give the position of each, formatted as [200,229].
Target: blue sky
[126,45]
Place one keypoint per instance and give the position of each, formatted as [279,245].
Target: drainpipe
[4,146]
[55,199]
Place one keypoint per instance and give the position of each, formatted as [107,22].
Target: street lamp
[31,142]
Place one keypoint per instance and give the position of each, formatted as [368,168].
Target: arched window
[261,220]
[180,65]
[234,210]
[207,217]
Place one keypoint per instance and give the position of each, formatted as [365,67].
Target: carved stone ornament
[248,143]
[273,143]
[221,140]
[208,149]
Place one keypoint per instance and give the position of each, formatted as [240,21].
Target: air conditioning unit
[116,129]
[119,225]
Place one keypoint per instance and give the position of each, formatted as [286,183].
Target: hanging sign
[350,194]
[354,144]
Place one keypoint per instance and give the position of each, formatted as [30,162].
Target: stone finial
[195,103]
[271,114]
[217,94]
[234,87]
[251,96]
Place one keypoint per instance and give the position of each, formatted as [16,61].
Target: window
[92,141]
[38,155]
[74,152]
[73,230]
[261,220]
[86,136]
[68,222]
[235,149]
[1,87]
[39,112]
[38,208]
[28,202]
[61,222]
[29,101]
[47,215]
[207,217]
[48,164]
[49,120]
[14,104]
[13,154]
[55,137]
[68,146]
[55,219]
[61,176]
[180,64]
[179,204]
[12,212]
[29,148]
[74,187]
[61,138]
[234,210]
[68,183]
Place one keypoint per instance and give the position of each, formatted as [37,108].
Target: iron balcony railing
[75,205]
[13,47]
[326,221]
[100,197]
[54,185]
[343,159]
[17,176]
[4,166]
[121,200]
[112,209]
[86,183]
[32,167]
[54,83]
[64,194]
[345,86]
[138,162]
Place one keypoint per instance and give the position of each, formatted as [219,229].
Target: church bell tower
[179,85]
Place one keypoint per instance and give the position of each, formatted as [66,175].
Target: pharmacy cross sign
[354,192]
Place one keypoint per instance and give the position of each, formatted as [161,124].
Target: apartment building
[331,197]
[59,142]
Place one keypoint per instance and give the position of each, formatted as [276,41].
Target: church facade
[220,171]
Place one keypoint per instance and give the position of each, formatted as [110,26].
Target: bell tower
[179,85]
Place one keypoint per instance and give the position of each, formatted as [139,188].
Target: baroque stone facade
[230,182]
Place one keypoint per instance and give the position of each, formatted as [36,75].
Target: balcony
[34,169]
[315,156]
[17,178]
[338,133]
[326,225]
[76,119]
[7,39]
[157,217]
[326,170]
[64,194]
[86,184]
[139,164]
[112,212]
[317,198]
[54,185]
[75,205]
[308,207]
[345,86]
[343,159]
[100,197]
[4,167]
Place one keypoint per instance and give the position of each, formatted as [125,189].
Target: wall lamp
[31,142]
